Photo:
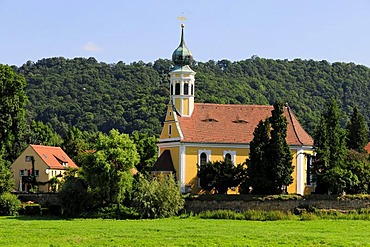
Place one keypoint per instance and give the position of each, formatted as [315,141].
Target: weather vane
[182,17]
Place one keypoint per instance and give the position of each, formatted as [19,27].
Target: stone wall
[196,206]
[43,199]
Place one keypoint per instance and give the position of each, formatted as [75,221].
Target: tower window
[171,88]
[177,89]
[186,89]
[169,129]
[192,89]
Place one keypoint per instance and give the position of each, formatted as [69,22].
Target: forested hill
[98,96]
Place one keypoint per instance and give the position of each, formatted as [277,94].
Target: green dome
[182,55]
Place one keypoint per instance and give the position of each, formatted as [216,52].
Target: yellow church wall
[191,160]
[185,106]
[292,189]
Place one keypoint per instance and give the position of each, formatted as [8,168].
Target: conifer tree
[357,131]
[329,171]
[280,156]
[259,176]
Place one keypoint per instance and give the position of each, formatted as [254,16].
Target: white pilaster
[300,171]
[182,167]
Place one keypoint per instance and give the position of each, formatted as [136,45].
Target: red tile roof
[222,123]
[54,157]
[367,147]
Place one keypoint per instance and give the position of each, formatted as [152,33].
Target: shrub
[157,198]
[55,209]
[32,209]
[9,204]
[74,196]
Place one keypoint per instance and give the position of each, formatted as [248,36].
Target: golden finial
[182,25]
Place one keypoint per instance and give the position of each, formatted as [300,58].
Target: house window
[186,88]
[308,171]
[177,89]
[170,129]
[231,155]
[37,173]
[21,173]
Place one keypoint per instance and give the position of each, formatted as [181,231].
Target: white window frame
[232,153]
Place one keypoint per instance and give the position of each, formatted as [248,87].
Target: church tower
[182,79]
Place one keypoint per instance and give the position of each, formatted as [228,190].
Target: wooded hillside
[98,96]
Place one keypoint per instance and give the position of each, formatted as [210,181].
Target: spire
[182,55]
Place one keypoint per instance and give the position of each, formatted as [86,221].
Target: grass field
[23,231]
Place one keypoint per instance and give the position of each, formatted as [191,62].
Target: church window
[170,129]
[177,89]
[308,171]
[186,88]
[192,89]
[230,155]
[203,158]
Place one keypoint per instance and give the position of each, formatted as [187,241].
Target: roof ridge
[236,105]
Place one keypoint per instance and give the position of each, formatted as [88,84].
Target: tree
[157,198]
[146,147]
[259,172]
[357,131]
[6,176]
[108,170]
[76,143]
[221,175]
[329,168]
[43,134]
[279,153]
[13,100]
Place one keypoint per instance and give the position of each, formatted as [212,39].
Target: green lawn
[23,231]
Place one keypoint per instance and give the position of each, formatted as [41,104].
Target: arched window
[177,89]
[228,157]
[186,88]
[203,158]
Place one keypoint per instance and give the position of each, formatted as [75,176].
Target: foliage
[157,198]
[147,149]
[357,131]
[12,112]
[358,165]
[97,96]
[32,209]
[221,175]
[76,143]
[108,170]
[279,153]
[259,172]
[270,162]
[6,177]
[9,204]
[74,196]
[43,134]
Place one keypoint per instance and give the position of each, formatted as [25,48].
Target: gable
[221,123]
[171,128]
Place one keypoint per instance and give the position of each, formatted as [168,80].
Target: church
[195,133]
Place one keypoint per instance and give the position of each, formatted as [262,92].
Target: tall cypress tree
[357,131]
[259,172]
[280,156]
[329,171]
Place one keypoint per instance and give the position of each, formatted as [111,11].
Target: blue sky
[128,31]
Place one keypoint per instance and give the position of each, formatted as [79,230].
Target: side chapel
[195,133]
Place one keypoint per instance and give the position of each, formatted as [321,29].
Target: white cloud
[90,46]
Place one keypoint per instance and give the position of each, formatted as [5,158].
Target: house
[44,162]
[195,133]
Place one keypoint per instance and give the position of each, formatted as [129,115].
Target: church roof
[234,124]
[164,163]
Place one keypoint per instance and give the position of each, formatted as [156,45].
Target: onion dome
[182,55]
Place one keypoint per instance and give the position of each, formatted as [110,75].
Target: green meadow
[27,231]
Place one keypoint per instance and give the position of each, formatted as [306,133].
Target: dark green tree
[221,175]
[76,143]
[279,154]
[146,147]
[329,167]
[259,172]
[13,101]
[43,134]
[357,131]
[6,176]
